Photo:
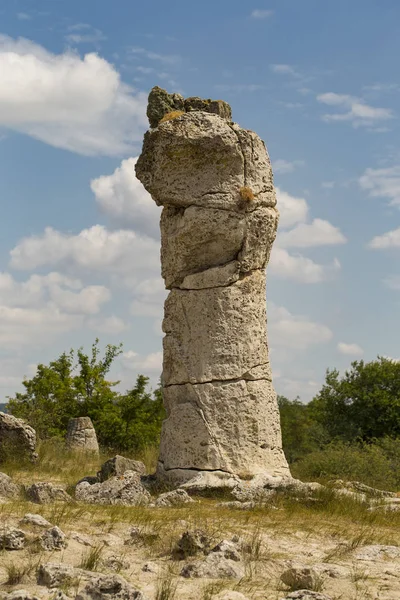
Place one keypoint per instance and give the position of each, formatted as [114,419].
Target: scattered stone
[8,489]
[375,552]
[228,549]
[215,566]
[301,577]
[357,486]
[54,575]
[81,538]
[11,538]
[117,466]
[150,567]
[174,498]
[81,436]
[221,405]
[190,544]
[112,587]
[53,539]
[35,519]
[16,434]
[306,595]
[116,563]
[47,493]
[124,490]
[20,595]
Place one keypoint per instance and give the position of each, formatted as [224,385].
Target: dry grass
[174,114]
[247,194]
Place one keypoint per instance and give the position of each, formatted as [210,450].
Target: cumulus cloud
[294,332]
[79,104]
[350,349]
[292,209]
[299,268]
[384,183]
[282,166]
[283,69]
[149,298]
[107,325]
[136,362]
[390,239]
[355,110]
[122,197]
[307,235]
[94,249]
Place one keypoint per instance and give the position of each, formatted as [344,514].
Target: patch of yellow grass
[172,115]
[247,194]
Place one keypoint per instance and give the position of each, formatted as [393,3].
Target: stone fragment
[20,595]
[117,466]
[150,567]
[16,437]
[46,493]
[116,563]
[8,489]
[113,587]
[53,539]
[125,490]
[214,566]
[11,538]
[373,552]
[54,575]
[173,498]
[190,544]
[161,103]
[218,224]
[36,520]
[228,549]
[81,435]
[301,577]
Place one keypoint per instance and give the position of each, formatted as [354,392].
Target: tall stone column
[218,223]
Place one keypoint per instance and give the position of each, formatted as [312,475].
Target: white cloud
[94,249]
[390,239]
[108,325]
[23,16]
[383,183]
[79,104]
[149,298]
[350,349]
[294,332]
[284,166]
[123,197]
[307,235]
[292,209]
[136,362]
[299,268]
[81,33]
[283,69]
[168,59]
[305,389]
[259,13]
[356,110]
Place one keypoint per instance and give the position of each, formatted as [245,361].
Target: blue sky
[79,244]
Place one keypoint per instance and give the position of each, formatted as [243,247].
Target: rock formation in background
[219,220]
[81,435]
[17,439]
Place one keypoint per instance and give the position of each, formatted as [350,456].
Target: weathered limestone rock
[218,224]
[53,539]
[35,520]
[173,498]
[12,538]
[112,587]
[45,492]
[8,489]
[125,490]
[81,435]
[118,465]
[16,437]
[301,578]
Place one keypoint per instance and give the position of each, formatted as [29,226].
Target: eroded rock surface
[81,435]
[17,438]
[218,224]
[125,490]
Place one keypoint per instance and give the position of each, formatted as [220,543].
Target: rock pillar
[81,435]
[218,223]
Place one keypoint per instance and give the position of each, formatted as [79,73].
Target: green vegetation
[63,389]
[350,430]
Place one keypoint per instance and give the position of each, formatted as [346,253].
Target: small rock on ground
[8,489]
[12,538]
[301,577]
[190,544]
[124,490]
[174,498]
[109,587]
[118,465]
[35,519]
[47,493]
[53,539]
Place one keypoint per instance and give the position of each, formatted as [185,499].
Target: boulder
[125,490]
[214,566]
[17,438]
[301,577]
[191,543]
[81,436]
[11,538]
[8,489]
[173,498]
[35,520]
[54,575]
[109,587]
[53,539]
[46,493]
[117,466]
